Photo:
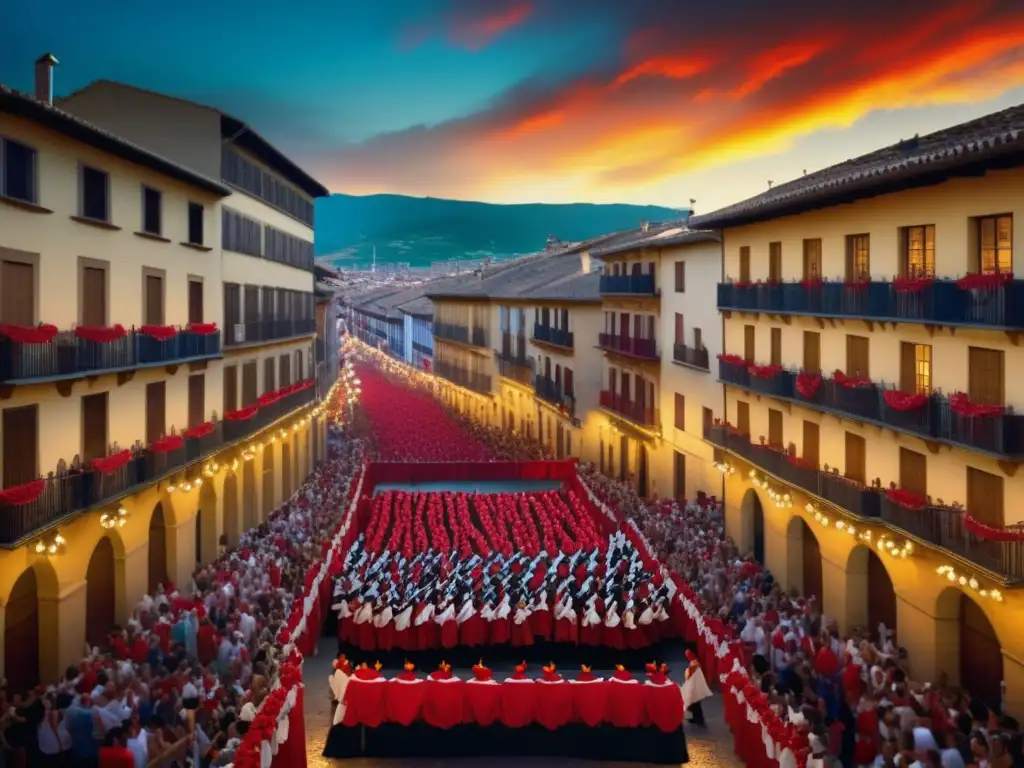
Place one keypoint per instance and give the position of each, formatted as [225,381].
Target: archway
[250,514]
[980,652]
[231,509]
[100,595]
[286,470]
[21,633]
[871,597]
[752,517]
[206,524]
[157,548]
[811,580]
[268,482]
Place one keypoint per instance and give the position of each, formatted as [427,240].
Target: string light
[54,544]
[884,542]
[116,519]
[725,468]
[968,582]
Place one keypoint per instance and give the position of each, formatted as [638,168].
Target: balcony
[556,337]
[461,334]
[517,369]
[691,356]
[1000,436]
[638,413]
[71,354]
[550,392]
[932,302]
[638,349]
[477,382]
[256,331]
[70,491]
[628,285]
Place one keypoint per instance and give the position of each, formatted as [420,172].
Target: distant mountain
[423,230]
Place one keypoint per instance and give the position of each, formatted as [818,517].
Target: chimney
[44,78]
[584,262]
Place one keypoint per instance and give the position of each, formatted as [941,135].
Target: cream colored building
[872,394]
[116,251]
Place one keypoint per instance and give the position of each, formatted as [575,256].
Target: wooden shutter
[680,411]
[913,472]
[985,497]
[230,388]
[680,276]
[745,264]
[17,293]
[776,341]
[908,367]
[569,386]
[94,296]
[812,259]
[679,338]
[94,426]
[748,343]
[250,389]
[857,359]
[21,445]
[286,370]
[195,301]
[299,374]
[811,443]
[679,475]
[812,351]
[269,378]
[156,411]
[856,458]
[743,417]
[775,262]
[707,418]
[985,377]
[775,428]
[154,300]
[196,399]
[698,339]
[252,305]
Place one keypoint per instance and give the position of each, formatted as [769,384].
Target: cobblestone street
[710,747]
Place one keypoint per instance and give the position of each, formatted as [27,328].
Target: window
[680,412]
[195,223]
[858,258]
[679,338]
[230,388]
[680,267]
[743,417]
[745,264]
[698,339]
[857,356]
[812,259]
[250,391]
[92,292]
[156,411]
[286,370]
[918,258]
[811,443]
[985,376]
[17,171]
[774,262]
[95,194]
[153,296]
[196,400]
[269,377]
[707,419]
[915,367]
[748,343]
[913,472]
[17,287]
[195,300]
[679,476]
[775,428]
[856,458]
[995,243]
[300,377]
[570,386]
[776,341]
[20,445]
[239,172]
[151,205]
[287,249]
[232,311]
[984,497]
[812,351]
[240,233]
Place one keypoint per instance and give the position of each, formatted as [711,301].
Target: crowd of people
[181,681]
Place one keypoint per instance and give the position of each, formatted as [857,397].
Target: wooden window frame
[147,190]
[680,276]
[81,418]
[82,168]
[775,262]
[979,242]
[188,293]
[777,415]
[33,260]
[33,198]
[190,209]
[854,271]
[927,267]
[744,264]
[4,480]
[679,411]
[86,262]
[162,274]
[775,346]
[806,252]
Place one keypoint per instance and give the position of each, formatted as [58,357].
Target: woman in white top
[54,739]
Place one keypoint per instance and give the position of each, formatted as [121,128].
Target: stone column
[61,631]
[181,550]
[131,580]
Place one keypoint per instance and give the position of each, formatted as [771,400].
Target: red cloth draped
[959,403]
[553,704]
[167,444]
[159,332]
[906,498]
[22,494]
[765,371]
[590,701]
[978,281]
[665,706]
[482,702]
[443,703]
[113,462]
[101,334]
[242,414]
[365,702]
[405,700]
[517,703]
[732,360]
[202,329]
[20,334]
[850,382]
[904,401]
[200,430]
[912,284]
[292,754]
[626,704]
[807,384]
[990,532]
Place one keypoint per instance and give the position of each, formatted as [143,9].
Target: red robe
[626,703]
[206,643]
[443,703]
[474,630]
[553,703]
[589,701]
[365,699]
[664,703]
[482,702]
[522,634]
[405,696]
[517,702]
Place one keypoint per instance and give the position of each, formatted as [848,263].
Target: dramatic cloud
[471,27]
[685,93]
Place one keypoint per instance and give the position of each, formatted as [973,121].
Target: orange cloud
[774,63]
[479,32]
[667,67]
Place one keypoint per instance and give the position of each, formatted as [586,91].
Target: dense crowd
[184,678]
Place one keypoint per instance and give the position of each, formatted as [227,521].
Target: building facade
[120,470]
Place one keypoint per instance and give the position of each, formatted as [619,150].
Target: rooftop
[664,237]
[988,143]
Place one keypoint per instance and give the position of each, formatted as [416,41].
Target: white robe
[403,619]
[613,619]
[465,613]
[339,684]
[504,609]
[695,689]
[343,610]
[591,619]
[522,614]
[646,617]
[383,618]
[364,614]
[425,615]
[627,620]
[446,615]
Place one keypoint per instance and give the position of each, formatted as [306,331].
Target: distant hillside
[424,230]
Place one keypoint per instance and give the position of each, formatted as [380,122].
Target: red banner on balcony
[167,444]
[906,499]
[732,360]
[912,284]
[904,401]
[202,329]
[101,334]
[20,334]
[976,280]
[200,430]
[960,404]
[807,384]
[269,398]
[990,532]
[113,462]
[159,332]
[242,414]
[22,494]
[765,371]
[850,382]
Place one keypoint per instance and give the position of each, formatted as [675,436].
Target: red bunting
[800,462]
[991,533]
[200,430]
[807,384]
[159,332]
[906,499]
[101,334]
[980,281]
[732,360]
[113,462]
[904,401]
[19,334]
[850,382]
[961,404]
[22,494]
[242,414]
[912,284]
[765,371]
[202,329]
[167,444]
[812,282]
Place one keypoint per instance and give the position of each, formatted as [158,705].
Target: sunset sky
[640,101]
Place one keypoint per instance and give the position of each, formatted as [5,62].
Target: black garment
[696,714]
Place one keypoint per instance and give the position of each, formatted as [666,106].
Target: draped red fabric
[167,444]
[443,703]
[101,334]
[200,430]
[202,329]
[517,703]
[242,414]
[481,703]
[22,494]
[113,462]
[590,701]
[553,704]
[159,332]
[20,334]
[292,754]
[405,700]
[665,706]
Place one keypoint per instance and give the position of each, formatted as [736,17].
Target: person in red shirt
[115,753]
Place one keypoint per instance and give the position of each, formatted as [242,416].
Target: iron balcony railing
[637,285]
[645,349]
[551,392]
[940,527]
[68,492]
[474,337]
[940,302]
[267,330]
[556,336]
[1001,436]
[698,358]
[516,369]
[638,413]
[477,382]
[68,356]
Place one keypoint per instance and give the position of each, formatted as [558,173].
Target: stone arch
[231,521]
[286,468]
[158,573]
[752,525]
[804,560]
[978,656]
[870,592]
[268,481]
[206,524]
[25,633]
[100,593]
[250,501]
